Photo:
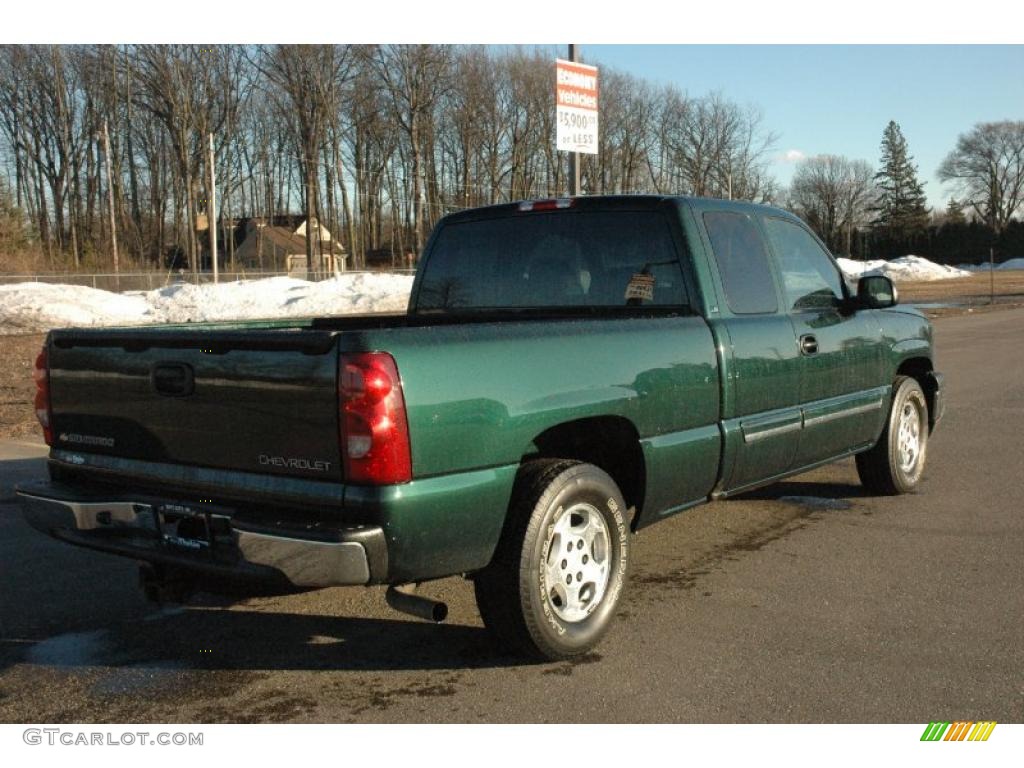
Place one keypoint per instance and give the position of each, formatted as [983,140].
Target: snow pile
[280,297]
[1011,264]
[27,307]
[39,306]
[903,269]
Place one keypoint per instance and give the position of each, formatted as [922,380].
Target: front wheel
[896,463]
[560,567]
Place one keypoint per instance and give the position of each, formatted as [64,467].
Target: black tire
[522,608]
[886,469]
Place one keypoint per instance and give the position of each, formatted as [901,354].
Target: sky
[837,99]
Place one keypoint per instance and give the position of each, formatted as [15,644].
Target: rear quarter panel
[478,394]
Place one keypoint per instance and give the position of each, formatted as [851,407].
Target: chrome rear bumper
[354,555]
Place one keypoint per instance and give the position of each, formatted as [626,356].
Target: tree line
[868,214]
[378,142]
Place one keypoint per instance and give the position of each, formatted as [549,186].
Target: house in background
[271,247]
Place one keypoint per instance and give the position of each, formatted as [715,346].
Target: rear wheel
[558,574]
[896,463]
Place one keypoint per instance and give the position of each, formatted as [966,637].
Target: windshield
[557,259]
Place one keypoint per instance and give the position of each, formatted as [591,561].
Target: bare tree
[376,142]
[833,194]
[13,232]
[414,77]
[307,80]
[713,148]
[987,168]
[42,117]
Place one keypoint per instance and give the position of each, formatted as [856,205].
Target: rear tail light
[41,376]
[374,427]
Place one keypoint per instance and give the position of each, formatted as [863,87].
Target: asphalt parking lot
[807,601]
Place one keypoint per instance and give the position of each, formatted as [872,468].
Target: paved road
[807,601]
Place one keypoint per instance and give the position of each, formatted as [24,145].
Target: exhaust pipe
[161,587]
[403,600]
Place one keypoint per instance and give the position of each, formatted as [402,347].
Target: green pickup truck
[568,372]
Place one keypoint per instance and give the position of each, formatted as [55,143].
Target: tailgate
[262,400]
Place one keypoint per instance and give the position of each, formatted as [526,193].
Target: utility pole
[110,203]
[574,157]
[211,213]
[991,275]
[993,216]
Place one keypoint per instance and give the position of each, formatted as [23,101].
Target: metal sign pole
[574,157]
[212,214]
[110,199]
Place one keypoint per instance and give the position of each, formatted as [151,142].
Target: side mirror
[876,292]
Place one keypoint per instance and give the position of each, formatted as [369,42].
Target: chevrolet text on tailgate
[568,372]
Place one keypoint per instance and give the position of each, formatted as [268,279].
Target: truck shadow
[15,471]
[240,639]
[805,489]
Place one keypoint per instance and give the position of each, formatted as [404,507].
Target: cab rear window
[557,259]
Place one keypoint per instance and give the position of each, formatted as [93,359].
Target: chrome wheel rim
[909,437]
[577,566]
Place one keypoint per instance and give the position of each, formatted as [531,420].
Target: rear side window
[809,277]
[742,263]
[557,259]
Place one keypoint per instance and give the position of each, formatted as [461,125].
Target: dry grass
[1009,285]
[17,416]
[978,293]
[23,262]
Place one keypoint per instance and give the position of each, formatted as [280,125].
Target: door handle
[808,344]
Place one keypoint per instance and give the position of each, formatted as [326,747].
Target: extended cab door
[840,351]
[761,389]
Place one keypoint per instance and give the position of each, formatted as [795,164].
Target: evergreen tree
[901,206]
[955,212]
[12,223]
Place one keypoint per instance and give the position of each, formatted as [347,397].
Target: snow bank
[280,297]
[905,268]
[984,267]
[27,307]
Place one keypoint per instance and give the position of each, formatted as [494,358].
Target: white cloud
[792,156]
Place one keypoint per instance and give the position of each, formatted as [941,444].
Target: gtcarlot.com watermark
[71,738]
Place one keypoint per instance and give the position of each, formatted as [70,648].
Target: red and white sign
[576,107]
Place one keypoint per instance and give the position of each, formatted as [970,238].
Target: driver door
[842,395]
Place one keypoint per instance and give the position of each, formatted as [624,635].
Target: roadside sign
[576,107]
